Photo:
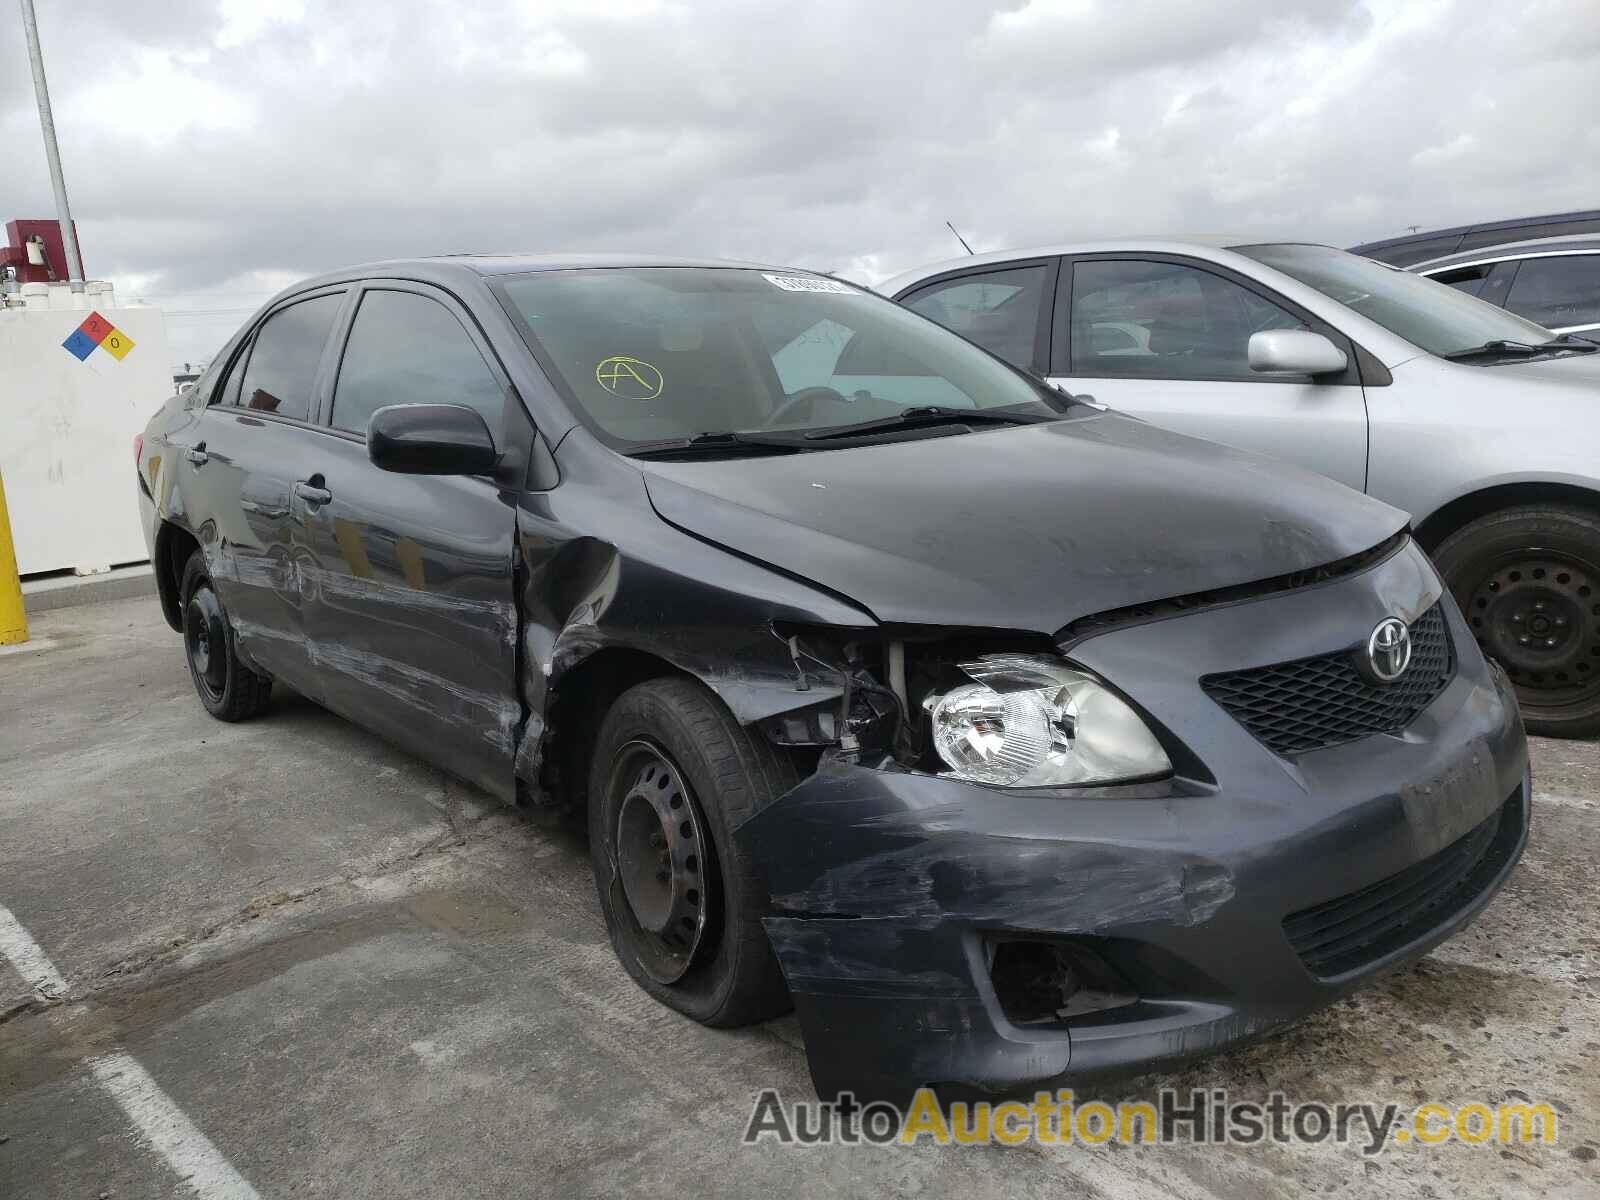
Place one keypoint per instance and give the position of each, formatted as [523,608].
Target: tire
[1528,581]
[230,690]
[709,776]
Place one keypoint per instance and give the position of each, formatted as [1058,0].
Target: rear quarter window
[281,367]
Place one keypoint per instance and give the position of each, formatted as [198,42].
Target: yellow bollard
[13,617]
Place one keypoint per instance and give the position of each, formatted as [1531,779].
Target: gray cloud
[216,149]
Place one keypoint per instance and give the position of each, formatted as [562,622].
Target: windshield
[656,354]
[1434,316]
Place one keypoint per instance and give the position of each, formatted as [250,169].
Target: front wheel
[673,775]
[228,688]
[1528,581]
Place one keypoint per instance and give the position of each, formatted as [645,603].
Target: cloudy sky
[219,149]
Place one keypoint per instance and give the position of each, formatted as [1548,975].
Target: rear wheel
[673,775]
[1528,581]
[229,689]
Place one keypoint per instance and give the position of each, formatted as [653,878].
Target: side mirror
[1295,352]
[430,439]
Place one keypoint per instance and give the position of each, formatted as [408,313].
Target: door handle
[311,493]
[198,455]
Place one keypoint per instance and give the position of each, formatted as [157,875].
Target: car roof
[440,268]
[1187,245]
[1522,249]
[1414,247]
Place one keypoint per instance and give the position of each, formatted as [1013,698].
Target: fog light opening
[1044,983]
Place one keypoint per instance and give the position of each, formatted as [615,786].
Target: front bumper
[890,888]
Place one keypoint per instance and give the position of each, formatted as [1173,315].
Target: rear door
[412,615]
[237,469]
[1165,338]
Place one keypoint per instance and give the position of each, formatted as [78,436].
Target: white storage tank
[79,377]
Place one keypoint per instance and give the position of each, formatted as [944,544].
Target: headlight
[1034,721]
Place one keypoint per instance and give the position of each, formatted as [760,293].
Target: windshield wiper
[720,443]
[1494,346]
[926,415]
[1582,343]
[1506,346]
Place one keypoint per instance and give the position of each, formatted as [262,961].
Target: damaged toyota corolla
[1006,738]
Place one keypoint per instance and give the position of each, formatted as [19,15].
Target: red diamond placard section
[95,327]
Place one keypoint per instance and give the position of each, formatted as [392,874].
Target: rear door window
[409,349]
[1558,291]
[999,310]
[282,368]
[1498,282]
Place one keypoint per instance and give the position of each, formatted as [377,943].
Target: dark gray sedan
[1006,738]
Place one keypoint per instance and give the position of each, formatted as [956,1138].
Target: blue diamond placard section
[79,344]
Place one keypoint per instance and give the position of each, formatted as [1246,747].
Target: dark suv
[1554,282]
[1005,737]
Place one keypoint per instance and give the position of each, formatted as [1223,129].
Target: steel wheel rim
[1537,613]
[658,849]
[205,639]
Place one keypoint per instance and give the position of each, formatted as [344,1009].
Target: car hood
[1023,527]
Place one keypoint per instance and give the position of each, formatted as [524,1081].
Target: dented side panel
[405,586]
[598,571]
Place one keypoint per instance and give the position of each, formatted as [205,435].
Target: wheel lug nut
[1516,618]
[1539,604]
[1549,641]
[1524,640]
[1561,622]
[657,841]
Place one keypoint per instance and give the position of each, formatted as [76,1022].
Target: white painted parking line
[188,1151]
[198,1163]
[24,954]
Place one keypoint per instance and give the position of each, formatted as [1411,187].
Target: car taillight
[138,447]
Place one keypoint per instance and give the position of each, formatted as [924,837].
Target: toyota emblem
[1389,650]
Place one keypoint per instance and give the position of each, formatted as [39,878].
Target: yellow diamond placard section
[117,344]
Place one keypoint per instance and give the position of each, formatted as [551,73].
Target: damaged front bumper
[1191,913]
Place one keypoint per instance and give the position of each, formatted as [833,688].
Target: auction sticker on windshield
[808,283]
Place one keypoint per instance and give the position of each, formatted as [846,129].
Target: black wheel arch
[576,704]
[1463,510]
[174,545]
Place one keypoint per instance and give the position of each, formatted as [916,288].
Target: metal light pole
[41,91]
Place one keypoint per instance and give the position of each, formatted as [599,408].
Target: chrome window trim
[1484,262]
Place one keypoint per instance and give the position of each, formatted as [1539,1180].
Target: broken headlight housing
[1037,721]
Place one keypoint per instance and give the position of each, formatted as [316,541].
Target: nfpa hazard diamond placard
[97,333]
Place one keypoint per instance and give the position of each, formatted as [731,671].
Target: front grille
[1355,930]
[1314,702]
